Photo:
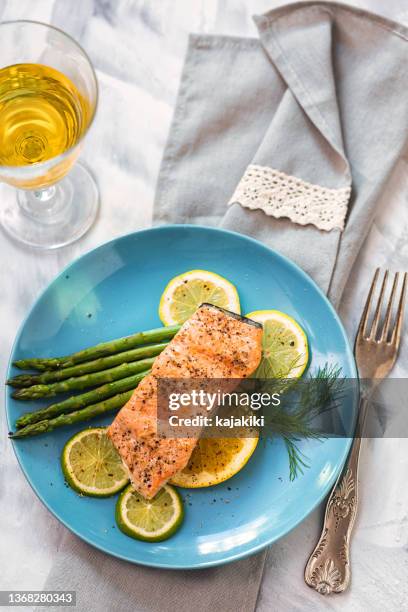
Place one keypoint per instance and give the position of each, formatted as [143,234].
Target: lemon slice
[214,460]
[91,464]
[284,344]
[151,520]
[186,292]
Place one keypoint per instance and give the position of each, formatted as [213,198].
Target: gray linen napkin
[321,97]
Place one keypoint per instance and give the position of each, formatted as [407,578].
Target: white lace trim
[282,195]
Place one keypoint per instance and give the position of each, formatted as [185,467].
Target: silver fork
[328,568]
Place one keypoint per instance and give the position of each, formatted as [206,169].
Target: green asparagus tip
[30,430]
[37,364]
[21,381]
[22,394]
[28,393]
[17,394]
[19,364]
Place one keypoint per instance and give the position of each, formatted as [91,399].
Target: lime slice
[186,292]
[91,464]
[151,520]
[214,460]
[285,346]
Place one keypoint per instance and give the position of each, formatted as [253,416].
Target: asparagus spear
[89,412]
[99,350]
[80,401]
[82,382]
[26,380]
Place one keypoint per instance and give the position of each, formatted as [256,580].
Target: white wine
[48,100]
[42,115]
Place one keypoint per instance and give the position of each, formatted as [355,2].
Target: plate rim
[227,558]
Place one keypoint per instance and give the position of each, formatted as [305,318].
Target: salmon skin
[213,343]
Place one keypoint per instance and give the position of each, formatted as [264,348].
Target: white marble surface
[137,47]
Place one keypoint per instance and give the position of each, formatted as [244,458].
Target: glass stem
[44,195]
[43,205]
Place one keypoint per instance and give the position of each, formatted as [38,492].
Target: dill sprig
[306,399]
[296,457]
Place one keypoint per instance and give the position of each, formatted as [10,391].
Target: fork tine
[387,320]
[377,314]
[396,332]
[364,317]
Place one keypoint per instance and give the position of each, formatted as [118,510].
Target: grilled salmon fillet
[213,343]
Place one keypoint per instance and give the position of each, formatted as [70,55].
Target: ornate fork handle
[328,568]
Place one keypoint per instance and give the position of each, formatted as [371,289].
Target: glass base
[54,217]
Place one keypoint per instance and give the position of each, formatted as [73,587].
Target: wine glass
[48,99]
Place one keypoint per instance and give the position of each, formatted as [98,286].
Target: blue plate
[115,290]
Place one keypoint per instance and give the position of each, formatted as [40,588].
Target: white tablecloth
[137,48]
